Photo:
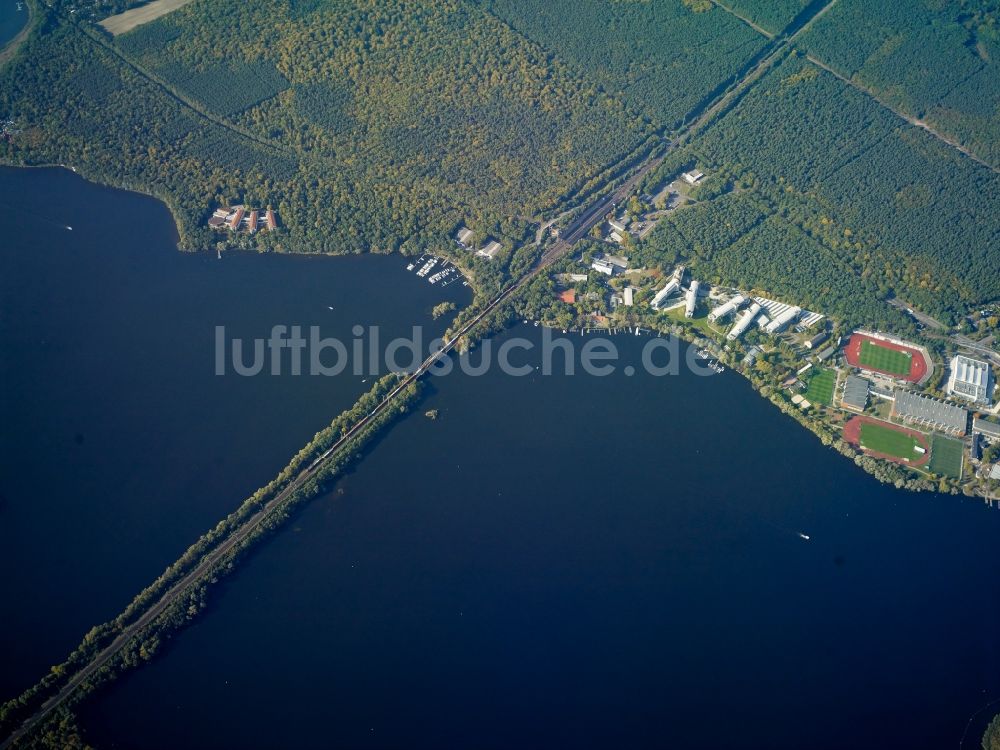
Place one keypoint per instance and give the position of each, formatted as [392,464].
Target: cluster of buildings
[771,316]
[466,239]
[673,286]
[243,219]
[969,380]
[610,265]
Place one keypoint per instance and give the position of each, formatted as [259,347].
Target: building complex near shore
[673,286]
[930,412]
[662,295]
[970,379]
[783,320]
[727,309]
[243,219]
[744,322]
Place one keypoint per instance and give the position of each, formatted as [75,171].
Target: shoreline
[198,586]
[10,49]
[894,474]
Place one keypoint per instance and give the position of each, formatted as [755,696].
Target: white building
[603,266]
[970,379]
[692,177]
[464,237]
[629,296]
[490,249]
[691,301]
[728,308]
[618,225]
[661,296]
[780,323]
[744,322]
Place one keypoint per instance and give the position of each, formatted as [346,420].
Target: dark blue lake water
[554,561]
[120,445]
[13,16]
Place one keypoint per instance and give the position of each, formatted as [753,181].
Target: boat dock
[436,270]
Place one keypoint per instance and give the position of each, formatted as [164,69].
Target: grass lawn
[820,390]
[700,321]
[886,360]
[946,456]
[889,442]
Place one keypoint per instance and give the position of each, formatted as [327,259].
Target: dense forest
[742,239]
[384,126]
[771,15]
[661,57]
[371,127]
[936,61]
[899,209]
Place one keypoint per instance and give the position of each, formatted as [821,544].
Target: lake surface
[13,16]
[120,445]
[554,561]
[591,562]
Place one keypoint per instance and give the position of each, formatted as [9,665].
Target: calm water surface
[591,562]
[119,445]
[555,561]
[13,16]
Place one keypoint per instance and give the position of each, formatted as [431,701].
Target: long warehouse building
[692,299]
[729,307]
[930,412]
[744,322]
[783,320]
[672,286]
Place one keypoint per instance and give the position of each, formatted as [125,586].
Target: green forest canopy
[937,61]
[384,125]
[890,204]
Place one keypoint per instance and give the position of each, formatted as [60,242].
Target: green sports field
[884,359]
[889,442]
[820,390]
[946,456]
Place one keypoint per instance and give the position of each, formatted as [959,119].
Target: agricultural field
[131,19]
[821,385]
[939,62]
[636,50]
[892,206]
[946,456]
[883,359]
[891,442]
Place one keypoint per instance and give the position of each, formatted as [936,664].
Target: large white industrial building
[692,299]
[729,307]
[780,323]
[970,379]
[744,322]
[661,296]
